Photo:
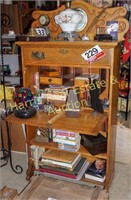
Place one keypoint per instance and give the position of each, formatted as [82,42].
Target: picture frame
[100,3]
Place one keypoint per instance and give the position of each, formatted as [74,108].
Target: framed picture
[112,29]
[100,3]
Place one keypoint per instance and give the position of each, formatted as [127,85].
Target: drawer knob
[38,55]
[49,80]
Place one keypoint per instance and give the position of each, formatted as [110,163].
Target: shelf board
[86,180]
[53,145]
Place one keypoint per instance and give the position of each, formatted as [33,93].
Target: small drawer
[50,80]
[81,82]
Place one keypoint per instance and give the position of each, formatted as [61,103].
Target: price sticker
[95,53]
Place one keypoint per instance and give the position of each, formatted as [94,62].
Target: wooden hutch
[62,55]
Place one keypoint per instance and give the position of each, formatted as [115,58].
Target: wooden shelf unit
[68,54]
[86,124]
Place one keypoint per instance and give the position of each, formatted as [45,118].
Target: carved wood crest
[96,18]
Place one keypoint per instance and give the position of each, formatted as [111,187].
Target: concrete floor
[119,190]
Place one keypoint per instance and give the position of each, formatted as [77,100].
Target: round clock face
[44,20]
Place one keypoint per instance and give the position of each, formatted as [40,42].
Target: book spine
[55,166]
[95,178]
[57,173]
[56,163]
[66,133]
[36,153]
[72,142]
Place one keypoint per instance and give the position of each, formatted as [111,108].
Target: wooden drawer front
[50,80]
[80,82]
[62,56]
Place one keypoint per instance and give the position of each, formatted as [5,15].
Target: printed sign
[95,53]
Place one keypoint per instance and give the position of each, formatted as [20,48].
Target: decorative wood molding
[110,14]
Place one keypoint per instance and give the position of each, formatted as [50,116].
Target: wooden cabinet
[65,55]
[86,123]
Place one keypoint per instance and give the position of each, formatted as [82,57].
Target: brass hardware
[38,55]
[63,51]
[68,4]
[32,32]
[49,79]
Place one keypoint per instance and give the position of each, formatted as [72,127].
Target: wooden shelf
[83,151]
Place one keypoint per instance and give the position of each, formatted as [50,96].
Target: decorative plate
[84,21]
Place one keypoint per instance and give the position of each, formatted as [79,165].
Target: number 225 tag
[95,53]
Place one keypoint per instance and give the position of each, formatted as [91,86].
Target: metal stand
[6,152]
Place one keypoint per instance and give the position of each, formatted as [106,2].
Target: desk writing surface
[86,123]
[39,119]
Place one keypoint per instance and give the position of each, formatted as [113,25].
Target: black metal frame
[7,154]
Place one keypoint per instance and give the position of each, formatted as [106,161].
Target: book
[36,152]
[63,141]
[112,29]
[75,171]
[77,178]
[66,134]
[53,171]
[55,94]
[69,147]
[60,163]
[60,158]
[96,171]
[58,166]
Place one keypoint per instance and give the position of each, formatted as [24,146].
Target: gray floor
[119,190]
[9,178]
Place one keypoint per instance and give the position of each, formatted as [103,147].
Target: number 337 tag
[95,53]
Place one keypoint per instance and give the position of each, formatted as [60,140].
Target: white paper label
[93,54]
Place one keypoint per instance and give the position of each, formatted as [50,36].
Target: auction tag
[93,54]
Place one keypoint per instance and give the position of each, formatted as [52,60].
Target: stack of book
[69,141]
[36,152]
[63,165]
[58,93]
[96,171]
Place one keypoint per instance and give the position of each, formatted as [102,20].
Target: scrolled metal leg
[18,169]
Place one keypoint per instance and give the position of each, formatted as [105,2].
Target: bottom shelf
[83,181]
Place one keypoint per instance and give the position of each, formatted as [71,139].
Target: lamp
[24,99]
[68,20]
